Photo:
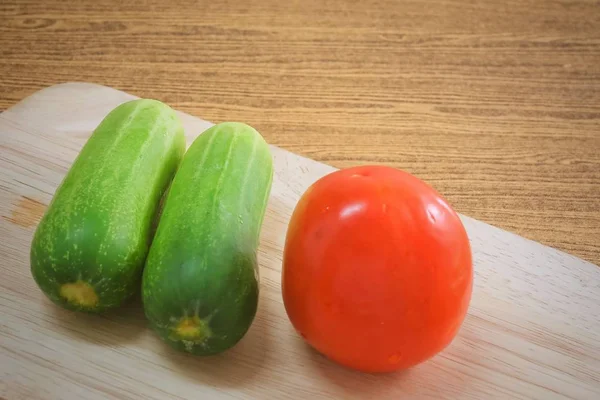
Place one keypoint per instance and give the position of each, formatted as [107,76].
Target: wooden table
[495,103]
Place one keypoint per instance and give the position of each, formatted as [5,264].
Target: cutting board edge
[79,85]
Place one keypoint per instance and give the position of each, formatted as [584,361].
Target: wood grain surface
[496,103]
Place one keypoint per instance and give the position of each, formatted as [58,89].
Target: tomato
[377,269]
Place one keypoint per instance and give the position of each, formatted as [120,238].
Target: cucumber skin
[97,228]
[203,260]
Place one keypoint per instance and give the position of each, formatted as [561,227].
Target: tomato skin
[377,269]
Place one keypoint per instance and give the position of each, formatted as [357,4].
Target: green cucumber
[88,251]
[200,284]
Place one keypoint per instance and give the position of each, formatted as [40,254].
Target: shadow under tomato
[111,328]
[236,367]
[356,384]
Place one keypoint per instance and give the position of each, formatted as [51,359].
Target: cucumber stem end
[80,294]
[192,329]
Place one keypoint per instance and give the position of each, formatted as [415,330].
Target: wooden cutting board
[533,328]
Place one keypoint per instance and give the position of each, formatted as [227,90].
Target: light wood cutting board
[533,328]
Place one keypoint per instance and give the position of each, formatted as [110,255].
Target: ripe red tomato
[377,271]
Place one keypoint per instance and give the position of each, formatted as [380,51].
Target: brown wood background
[495,103]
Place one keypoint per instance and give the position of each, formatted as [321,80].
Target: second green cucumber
[200,284]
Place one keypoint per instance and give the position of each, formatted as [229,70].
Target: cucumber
[88,251]
[200,285]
